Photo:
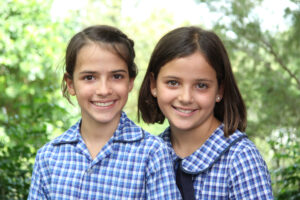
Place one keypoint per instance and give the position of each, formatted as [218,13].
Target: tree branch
[280,62]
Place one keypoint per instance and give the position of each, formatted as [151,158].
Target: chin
[184,127]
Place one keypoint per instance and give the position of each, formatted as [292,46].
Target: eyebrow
[119,71]
[206,80]
[94,72]
[88,72]
[170,77]
[177,78]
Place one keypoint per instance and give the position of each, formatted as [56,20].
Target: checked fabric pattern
[132,165]
[226,168]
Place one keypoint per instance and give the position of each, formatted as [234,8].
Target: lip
[103,104]
[184,111]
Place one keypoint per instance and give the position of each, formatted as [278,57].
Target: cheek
[122,89]
[166,98]
[85,89]
[164,93]
[164,103]
[83,93]
[206,101]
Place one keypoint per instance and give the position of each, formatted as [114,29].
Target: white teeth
[184,111]
[103,104]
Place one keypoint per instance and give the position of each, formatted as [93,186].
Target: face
[187,90]
[101,84]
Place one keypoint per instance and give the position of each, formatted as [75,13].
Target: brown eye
[172,83]
[118,76]
[201,86]
[89,77]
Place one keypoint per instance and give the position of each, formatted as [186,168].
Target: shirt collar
[209,153]
[72,135]
[127,131]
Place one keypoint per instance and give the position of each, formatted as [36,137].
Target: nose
[103,88]
[185,95]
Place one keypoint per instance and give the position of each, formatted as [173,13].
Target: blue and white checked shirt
[226,168]
[132,165]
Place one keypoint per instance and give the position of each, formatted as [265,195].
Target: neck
[96,135]
[186,142]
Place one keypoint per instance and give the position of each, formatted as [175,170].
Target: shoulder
[155,141]
[245,159]
[44,155]
[159,158]
[244,149]
[248,172]
[53,147]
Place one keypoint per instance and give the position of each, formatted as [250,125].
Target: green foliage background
[32,110]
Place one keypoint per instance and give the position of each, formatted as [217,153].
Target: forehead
[94,56]
[191,66]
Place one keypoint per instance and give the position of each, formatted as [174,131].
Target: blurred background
[261,36]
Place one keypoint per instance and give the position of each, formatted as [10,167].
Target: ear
[70,84]
[131,83]
[153,85]
[220,93]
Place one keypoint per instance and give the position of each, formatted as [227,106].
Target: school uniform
[132,165]
[225,168]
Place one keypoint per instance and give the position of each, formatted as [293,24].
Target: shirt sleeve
[160,182]
[249,176]
[37,186]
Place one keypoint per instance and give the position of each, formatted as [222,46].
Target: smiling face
[187,90]
[101,84]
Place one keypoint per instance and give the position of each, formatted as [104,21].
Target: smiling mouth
[103,104]
[185,111]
